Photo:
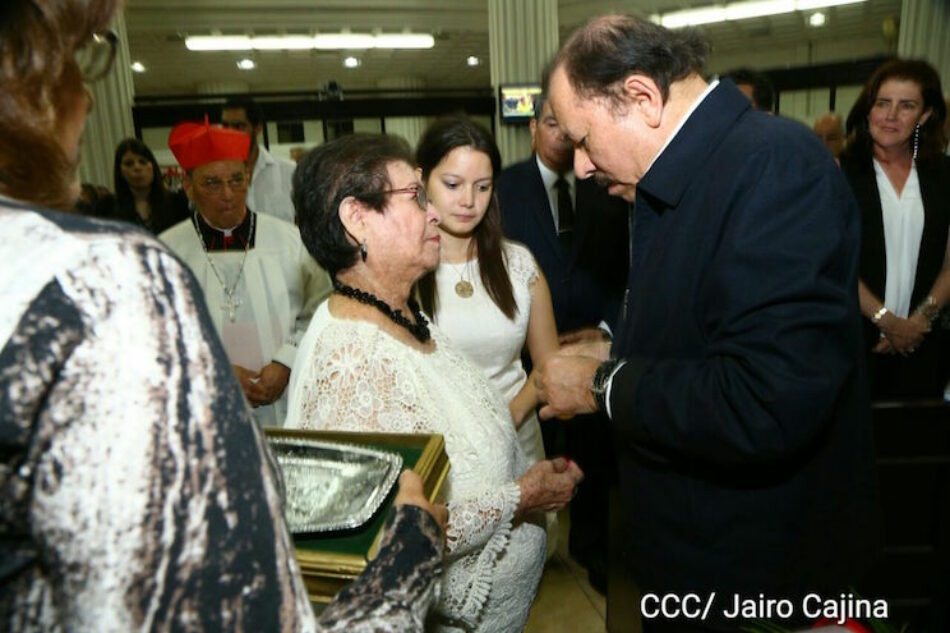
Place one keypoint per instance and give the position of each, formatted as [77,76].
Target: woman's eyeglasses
[95,57]
[418,194]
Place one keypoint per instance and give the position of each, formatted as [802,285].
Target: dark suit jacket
[587,280]
[742,413]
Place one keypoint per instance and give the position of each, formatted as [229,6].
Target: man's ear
[533,126]
[642,96]
[352,214]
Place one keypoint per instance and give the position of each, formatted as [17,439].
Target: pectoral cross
[231,305]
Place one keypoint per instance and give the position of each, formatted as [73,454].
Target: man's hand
[563,382]
[251,385]
[595,348]
[274,379]
[583,335]
[412,493]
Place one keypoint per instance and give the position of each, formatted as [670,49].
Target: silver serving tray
[330,486]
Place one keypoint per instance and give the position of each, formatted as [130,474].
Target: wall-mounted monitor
[517,102]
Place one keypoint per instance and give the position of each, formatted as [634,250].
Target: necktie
[565,207]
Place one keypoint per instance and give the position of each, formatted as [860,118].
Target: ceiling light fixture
[817,19]
[741,11]
[138,67]
[473,61]
[351,62]
[246,64]
[323,41]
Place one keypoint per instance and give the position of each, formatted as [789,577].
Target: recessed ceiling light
[246,64]
[138,67]
[473,61]
[351,62]
[817,19]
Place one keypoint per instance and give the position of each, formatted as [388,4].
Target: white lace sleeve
[522,267]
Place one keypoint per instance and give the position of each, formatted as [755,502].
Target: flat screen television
[517,102]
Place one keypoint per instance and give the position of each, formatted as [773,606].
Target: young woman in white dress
[488,294]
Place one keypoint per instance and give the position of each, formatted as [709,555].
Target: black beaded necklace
[419,329]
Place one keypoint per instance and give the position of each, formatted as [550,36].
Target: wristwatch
[600,381]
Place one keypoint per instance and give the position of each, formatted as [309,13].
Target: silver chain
[228,292]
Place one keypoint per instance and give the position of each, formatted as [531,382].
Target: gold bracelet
[928,308]
[877,316]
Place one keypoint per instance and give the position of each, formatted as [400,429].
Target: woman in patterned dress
[137,492]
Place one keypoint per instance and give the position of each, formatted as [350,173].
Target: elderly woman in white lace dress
[371,361]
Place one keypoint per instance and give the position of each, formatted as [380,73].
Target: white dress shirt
[271,184]
[549,177]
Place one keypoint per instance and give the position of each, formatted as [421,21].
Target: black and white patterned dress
[137,493]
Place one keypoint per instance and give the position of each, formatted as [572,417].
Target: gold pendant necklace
[463,288]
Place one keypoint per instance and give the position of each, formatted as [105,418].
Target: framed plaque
[331,559]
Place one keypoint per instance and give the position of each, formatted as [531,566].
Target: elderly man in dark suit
[578,234]
[735,383]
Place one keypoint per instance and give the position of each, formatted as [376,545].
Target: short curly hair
[353,165]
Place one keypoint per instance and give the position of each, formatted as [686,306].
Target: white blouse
[903,217]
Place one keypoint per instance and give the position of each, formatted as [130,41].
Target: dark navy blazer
[586,279]
[742,415]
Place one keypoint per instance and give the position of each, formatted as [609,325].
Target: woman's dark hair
[40,86]
[157,195]
[439,139]
[932,139]
[353,165]
[608,49]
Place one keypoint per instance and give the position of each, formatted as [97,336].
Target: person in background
[735,382]
[488,294]
[371,362]
[141,197]
[901,180]
[271,177]
[137,492]
[830,129]
[87,201]
[260,283]
[578,235]
[756,86]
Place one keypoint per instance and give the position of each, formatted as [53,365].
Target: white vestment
[279,288]
[271,183]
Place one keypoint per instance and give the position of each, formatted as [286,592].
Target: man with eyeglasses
[260,283]
[269,190]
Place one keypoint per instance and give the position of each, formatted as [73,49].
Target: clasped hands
[263,387]
[901,336]
[563,381]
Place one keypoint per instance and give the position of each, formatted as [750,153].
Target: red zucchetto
[195,144]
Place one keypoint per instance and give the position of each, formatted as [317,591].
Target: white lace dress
[350,375]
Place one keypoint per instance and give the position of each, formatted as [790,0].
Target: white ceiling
[156,30]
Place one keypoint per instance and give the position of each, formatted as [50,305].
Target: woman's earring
[916,139]
[363,250]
